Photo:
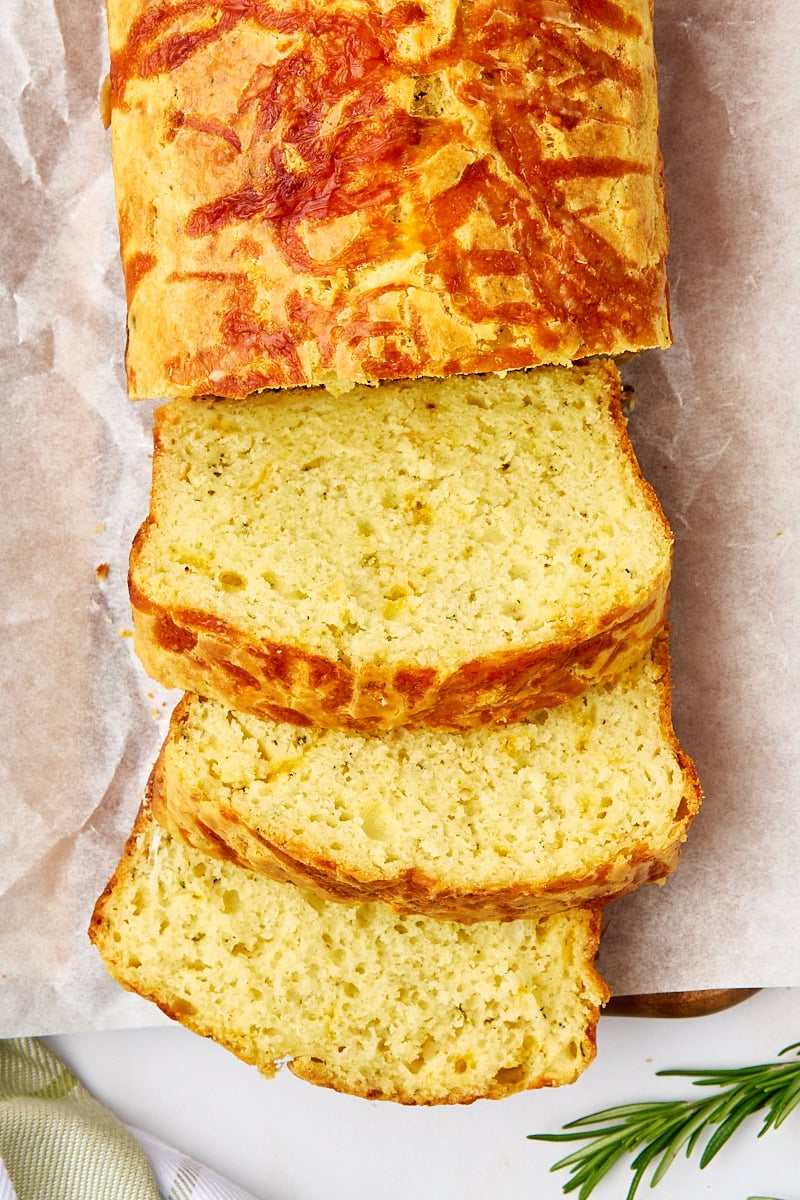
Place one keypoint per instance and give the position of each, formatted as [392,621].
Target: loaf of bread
[356,998]
[578,804]
[318,192]
[448,551]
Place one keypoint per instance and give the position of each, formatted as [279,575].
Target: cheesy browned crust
[313,191]
[200,653]
[193,799]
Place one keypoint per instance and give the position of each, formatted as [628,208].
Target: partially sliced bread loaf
[577,804]
[451,552]
[330,190]
[358,999]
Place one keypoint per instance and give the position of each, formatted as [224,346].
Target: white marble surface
[285,1140]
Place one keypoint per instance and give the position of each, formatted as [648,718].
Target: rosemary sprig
[660,1129]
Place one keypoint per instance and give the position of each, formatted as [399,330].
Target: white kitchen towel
[58,1143]
[182,1178]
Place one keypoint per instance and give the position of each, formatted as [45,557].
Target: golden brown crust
[189,814]
[312,192]
[410,891]
[198,653]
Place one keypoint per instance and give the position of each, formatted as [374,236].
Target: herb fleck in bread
[356,998]
[452,552]
[579,803]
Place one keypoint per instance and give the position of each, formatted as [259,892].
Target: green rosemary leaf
[622,1111]
[729,1125]
[654,1132]
[691,1131]
[777,1115]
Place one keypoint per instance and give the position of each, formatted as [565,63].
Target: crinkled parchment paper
[717,427]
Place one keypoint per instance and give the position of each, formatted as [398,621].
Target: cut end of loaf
[357,998]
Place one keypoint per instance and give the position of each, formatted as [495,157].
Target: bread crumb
[104,102]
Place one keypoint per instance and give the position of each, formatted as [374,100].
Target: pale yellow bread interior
[356,998]
[577,804]
[449,551]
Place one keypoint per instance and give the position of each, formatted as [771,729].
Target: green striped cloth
[58,1143]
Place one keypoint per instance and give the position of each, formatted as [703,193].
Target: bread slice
[356,998]
[577,804]
[318,193]
[451,552]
